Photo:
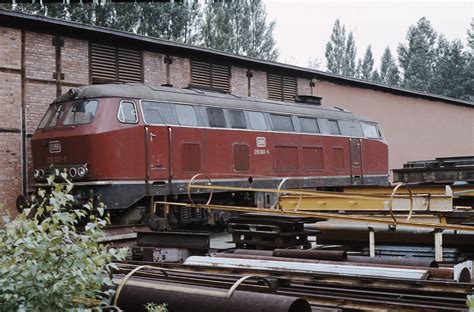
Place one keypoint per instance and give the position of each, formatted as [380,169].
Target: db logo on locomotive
[54,147]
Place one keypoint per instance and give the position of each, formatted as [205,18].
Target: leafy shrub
[153,307]
[470,302]
[46,264]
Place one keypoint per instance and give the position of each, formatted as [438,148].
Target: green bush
[46,264]
[153,307]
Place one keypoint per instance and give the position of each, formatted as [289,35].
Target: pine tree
[375,77]
[367,64]
[239,27]
[350,51]
[261,44]
[449,68]
[217,29]
[393,76]
[335,48]
[389,73]
[358,72]
[417,56]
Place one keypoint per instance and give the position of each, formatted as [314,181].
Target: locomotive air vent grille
[210,75]
[110,64]
[281,88]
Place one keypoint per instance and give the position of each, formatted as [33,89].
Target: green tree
[46,264]
[393,76]
[375,77]
[217,30]
[261,44]
[389,73]
[341,52]
[417,55]
[367,64]
[449,69]
[335,48]
[239,27]
[350,51]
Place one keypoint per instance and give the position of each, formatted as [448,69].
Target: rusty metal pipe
[348,258]
[393,261]
[332,255]
[441,273]
[253,252]
[134,297]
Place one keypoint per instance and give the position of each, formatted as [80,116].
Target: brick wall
[10,45]
[303,87]
[75,61]
[154,68]
[10,172]
[40,56]
[239,81]
[10,116]
[180,72]
[258,85]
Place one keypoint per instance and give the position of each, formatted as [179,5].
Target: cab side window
[127,112]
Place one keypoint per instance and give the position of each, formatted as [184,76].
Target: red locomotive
[129,143]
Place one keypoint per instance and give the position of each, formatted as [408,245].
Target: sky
[303,27]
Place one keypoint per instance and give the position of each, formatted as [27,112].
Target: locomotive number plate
[54,147]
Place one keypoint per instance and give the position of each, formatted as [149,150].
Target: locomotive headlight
[40,173]
[81,172]
[72,172]
[36,173]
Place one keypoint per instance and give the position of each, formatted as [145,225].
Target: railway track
[322,291]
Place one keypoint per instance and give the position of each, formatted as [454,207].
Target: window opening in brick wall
[210,75]
[109,64]
[281,88]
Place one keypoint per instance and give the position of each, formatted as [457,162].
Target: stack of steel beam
[263,232]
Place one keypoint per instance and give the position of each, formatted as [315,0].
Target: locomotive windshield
[75,113]
[52,116]
[81,112]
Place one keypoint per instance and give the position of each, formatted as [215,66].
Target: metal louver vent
[281,88]
[115,64]
[210,75]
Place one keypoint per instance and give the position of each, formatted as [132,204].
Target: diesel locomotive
[129,144]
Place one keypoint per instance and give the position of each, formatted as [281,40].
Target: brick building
[40,58]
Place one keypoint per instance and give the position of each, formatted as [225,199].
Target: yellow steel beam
[458,190]
[423,203]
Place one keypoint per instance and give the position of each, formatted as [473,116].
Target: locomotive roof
[197,96]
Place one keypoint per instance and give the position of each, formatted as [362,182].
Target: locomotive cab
[95,142]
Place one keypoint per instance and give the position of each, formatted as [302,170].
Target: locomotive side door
[356,159]
[157,145]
